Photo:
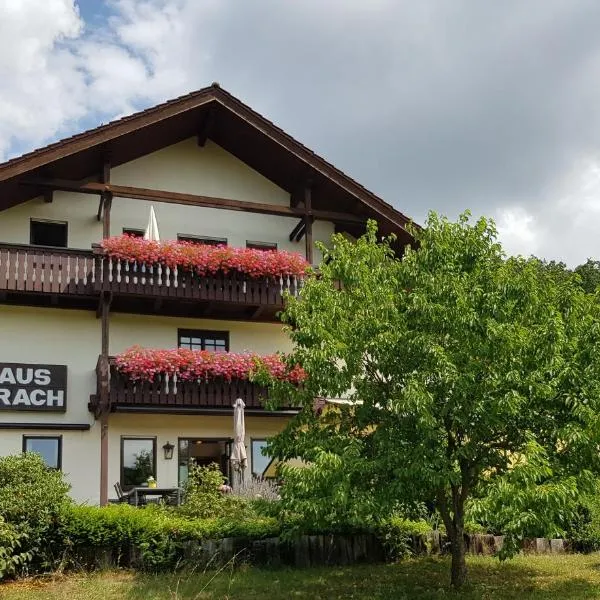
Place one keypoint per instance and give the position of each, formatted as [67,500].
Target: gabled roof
[210,112]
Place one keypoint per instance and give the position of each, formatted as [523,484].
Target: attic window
[261,245]
[138,233]
[200,239]
[48,233]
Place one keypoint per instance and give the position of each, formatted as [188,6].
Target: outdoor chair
[125,497]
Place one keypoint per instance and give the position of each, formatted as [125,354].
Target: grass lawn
[567,577]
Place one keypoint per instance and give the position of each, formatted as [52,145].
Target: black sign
[33,387]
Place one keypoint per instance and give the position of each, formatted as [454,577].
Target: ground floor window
[262,465]
[138,461]
[50,447]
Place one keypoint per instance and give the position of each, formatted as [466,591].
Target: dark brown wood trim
[59,438]
[308,220]
[104,459]
[121,191]
[193,410]
[104,134]
[302,231]
[202,333]
[104,312]
[124,438]
[206,127]
[297,230]
[48,196]
[317,163]
[100,207]
[47,426]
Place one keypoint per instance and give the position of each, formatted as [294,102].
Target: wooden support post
[104,459]
[104,400]
[105,199]
[308,220]
[106,203]
[48,196]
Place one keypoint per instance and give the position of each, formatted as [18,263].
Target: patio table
[140,493]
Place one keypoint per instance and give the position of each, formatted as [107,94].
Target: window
[138,233]
[138,461]
[194,339]
[261,245]
[50,447]
[262,466]
[200,239]
[48,233]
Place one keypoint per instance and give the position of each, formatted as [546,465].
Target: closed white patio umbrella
[151,232]
[239,458]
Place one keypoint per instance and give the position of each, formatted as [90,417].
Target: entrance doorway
[203,452]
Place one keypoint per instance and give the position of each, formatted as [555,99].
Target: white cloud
[395,93]
[517,231]
[42,87]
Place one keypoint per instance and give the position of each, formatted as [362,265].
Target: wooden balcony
[182,292]
[41,276]
[167,395]
[32,274]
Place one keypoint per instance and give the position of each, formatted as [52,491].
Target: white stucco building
[215,172]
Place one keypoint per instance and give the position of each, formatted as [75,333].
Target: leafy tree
[462,369]
[590,275]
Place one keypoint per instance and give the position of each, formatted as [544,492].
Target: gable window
[201,239]
[48,233]
[196,339]
[261,245]
[138,233]
[50,448]
[138,461]
[262,466]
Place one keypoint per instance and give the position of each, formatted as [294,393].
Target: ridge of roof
[225,98]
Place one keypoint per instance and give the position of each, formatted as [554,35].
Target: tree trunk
[458,574]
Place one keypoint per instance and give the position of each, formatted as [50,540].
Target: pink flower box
[204,259]
[190,365]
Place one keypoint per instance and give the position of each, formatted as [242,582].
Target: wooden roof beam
[206,126]
[98,188]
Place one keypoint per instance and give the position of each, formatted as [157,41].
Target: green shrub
[12,558]
[31,497]
[397,534]
[157,535]
[584,527]
[204,500]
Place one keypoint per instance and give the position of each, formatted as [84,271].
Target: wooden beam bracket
[100,207]
[298,229]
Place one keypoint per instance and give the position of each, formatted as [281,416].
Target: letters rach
[33,387]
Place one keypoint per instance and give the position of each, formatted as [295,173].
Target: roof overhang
[208,113]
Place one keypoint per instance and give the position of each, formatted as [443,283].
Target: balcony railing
[81,273]
[47,270]
[166,392]
[155,280]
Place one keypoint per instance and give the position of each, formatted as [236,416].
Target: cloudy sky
[479,104]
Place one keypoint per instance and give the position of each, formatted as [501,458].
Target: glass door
[203,452]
